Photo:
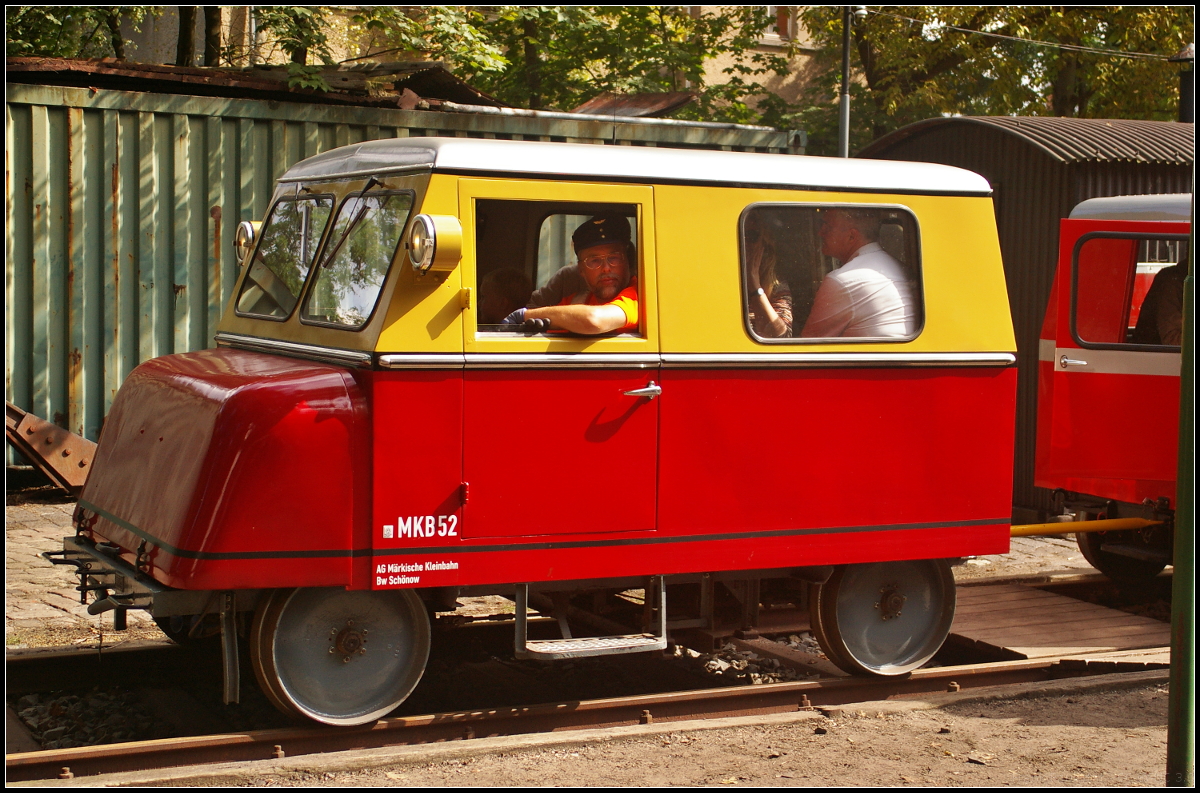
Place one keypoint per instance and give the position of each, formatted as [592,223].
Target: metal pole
[1187,83]
[844,125]
[1181,707]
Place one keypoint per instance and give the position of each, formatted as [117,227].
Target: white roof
[636,164]
[1173,206]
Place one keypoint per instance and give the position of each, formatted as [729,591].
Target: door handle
[1064,362]
[652,390]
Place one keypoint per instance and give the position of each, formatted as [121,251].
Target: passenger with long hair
[770,298]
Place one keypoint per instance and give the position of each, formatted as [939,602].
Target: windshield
[362,245]
[283,257]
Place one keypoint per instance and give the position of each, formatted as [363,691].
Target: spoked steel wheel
[339,657]
[884,618]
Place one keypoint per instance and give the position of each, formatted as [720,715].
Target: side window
[1129,290]
[356,258]
[830,273]
[528,258]
[283,257]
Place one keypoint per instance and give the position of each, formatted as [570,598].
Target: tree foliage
[451,34]
[558,57]
[70,31]
[915,62]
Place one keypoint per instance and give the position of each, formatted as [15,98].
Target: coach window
[813,274]
[527,258]
[283,257]
[356,258]
[1128,290]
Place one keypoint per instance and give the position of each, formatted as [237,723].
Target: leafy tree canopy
[558,57]
[916,62]
[910,62]
[69,31]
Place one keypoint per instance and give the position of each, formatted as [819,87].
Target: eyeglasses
[612,260]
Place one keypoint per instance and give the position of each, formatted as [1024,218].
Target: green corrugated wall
[120,209]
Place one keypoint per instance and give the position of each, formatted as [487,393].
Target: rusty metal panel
[120,209]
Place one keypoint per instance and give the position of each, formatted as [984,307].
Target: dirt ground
[1067,733]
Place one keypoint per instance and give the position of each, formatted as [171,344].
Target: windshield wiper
[362,211]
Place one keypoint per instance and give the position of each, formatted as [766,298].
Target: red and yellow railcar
[370,440]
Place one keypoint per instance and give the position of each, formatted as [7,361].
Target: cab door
[1113,429]
[553,443]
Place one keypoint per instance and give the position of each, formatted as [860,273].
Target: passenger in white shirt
[870,294]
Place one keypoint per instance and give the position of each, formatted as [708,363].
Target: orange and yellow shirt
[626,300]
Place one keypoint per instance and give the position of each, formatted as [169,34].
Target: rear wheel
[884,618]
[339,657]
[1120,567]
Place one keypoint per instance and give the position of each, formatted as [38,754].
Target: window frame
[1118,235]
[310,284]
[249,262]
[634,266]
[919,291]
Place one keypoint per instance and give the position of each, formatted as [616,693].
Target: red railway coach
[464,367]
[1108,401]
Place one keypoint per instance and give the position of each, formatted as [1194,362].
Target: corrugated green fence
[120,211]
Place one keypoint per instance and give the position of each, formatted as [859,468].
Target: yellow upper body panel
[701,309]
[689,239]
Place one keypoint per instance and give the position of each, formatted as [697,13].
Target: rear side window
[826,273]
[1128,290]
[283,257]
[356,259]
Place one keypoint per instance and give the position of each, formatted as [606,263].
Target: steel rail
[622,711]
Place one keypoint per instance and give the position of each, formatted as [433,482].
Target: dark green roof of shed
[1069,140]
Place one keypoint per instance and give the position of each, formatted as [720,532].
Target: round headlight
[243,239]
[422,243]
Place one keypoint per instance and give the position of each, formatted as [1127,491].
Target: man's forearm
[588,320]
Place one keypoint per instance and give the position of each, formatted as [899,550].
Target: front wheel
[884,618]
[339,657]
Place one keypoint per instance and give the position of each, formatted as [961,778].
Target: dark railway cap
[599,229]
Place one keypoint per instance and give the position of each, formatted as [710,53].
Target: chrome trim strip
[422,361]
[617,360]
[582,360]
[310,351]
[835,359]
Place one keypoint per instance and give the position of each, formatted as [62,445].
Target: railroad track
[1090,656]
[439,727]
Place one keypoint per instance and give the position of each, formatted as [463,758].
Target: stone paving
[1027,556]
[42,607]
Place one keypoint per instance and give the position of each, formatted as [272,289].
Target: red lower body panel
[1108,435]
[755,470]
[274,472]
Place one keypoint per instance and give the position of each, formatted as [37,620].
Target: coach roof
[634,163]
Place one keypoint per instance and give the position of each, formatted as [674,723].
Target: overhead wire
[1053,44]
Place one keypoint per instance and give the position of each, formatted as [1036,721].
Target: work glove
[527,326]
